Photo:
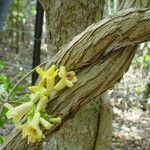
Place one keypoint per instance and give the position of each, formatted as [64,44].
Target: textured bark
[104,138]
[100,57]
[129,27]
[69,19]
[134,3]
[66,19]
[74,18]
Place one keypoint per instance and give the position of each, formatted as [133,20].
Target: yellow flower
[32,130]
[35,97]
[39,88]
[42,103]
[67,79]
[49,75]
[18,112]
[46,124]
[55,120]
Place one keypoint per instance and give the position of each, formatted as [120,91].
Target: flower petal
[75,79]
[69,83]
[45,123]
[8,106]
[18,112]
[55,120]
[62,73]
[35,97]
[40,71]
[72,73]
[32,130]
[50,84]
[42,103]
[60,85]
[38,89]
[51,70]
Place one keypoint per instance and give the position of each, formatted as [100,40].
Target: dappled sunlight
[131,125]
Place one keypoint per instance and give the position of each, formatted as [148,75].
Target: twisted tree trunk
[100,55]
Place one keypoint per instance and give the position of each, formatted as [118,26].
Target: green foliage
[46,116]
[2,64]
[147,60]
[5,87]
[2,139]
[25,98]
[31,113]
[5,84]
[143,58]
[49,118]
[3,117]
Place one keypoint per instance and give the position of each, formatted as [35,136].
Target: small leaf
[2,64]
[26,98]
[46,116]
[50,119]
[147,57]
[1,123]
[5,81]
[3,77]
[31,113]
[19,89]
[2,139]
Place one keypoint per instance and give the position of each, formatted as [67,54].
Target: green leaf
[147,57]
[46,116]
[1,123]
[2,64]
[5,81]
[3,77]
[3,117]
[26,98]
[50,119]
[2,139]
[22,99]
[19,88]
[31,113]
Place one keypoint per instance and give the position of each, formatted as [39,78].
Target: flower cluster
[34,111]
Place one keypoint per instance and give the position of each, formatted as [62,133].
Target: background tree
[102,49]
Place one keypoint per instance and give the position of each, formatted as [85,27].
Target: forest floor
[131,124]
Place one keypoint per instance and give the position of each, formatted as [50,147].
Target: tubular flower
[67,79]
[45,123]
[55,120]
[32,130]
[49,75]
[42,103]
[35,97]
[18,112]
[39,89]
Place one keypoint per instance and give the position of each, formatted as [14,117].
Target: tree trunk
[69,19]
[100,55]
